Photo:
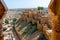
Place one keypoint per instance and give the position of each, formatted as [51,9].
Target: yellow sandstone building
[33,20]
[51,31]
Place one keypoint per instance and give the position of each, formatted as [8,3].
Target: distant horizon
[23,8]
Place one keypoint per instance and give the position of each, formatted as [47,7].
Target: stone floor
[6,35]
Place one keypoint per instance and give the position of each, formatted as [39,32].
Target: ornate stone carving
[54,8]
[3,10]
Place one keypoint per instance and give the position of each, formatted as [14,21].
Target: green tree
[40,8]
[6,21]
[14,20]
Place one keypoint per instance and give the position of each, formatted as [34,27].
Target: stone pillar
[1,34]
[54,8]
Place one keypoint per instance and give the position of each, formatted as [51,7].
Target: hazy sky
[26,3]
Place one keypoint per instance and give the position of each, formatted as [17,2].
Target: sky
[26,3]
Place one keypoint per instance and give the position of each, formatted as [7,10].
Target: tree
[14,20]
[40,8]
[6,21]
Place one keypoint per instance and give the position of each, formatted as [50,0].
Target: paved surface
[15,34]
[6,35]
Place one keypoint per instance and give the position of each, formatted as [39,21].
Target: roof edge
[3,3]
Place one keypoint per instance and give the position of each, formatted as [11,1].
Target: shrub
[14,20]
[6,21]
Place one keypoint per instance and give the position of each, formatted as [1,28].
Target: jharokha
[3,10]
[54,9]
[37,19]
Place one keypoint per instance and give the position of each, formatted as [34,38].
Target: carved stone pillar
[54,8]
